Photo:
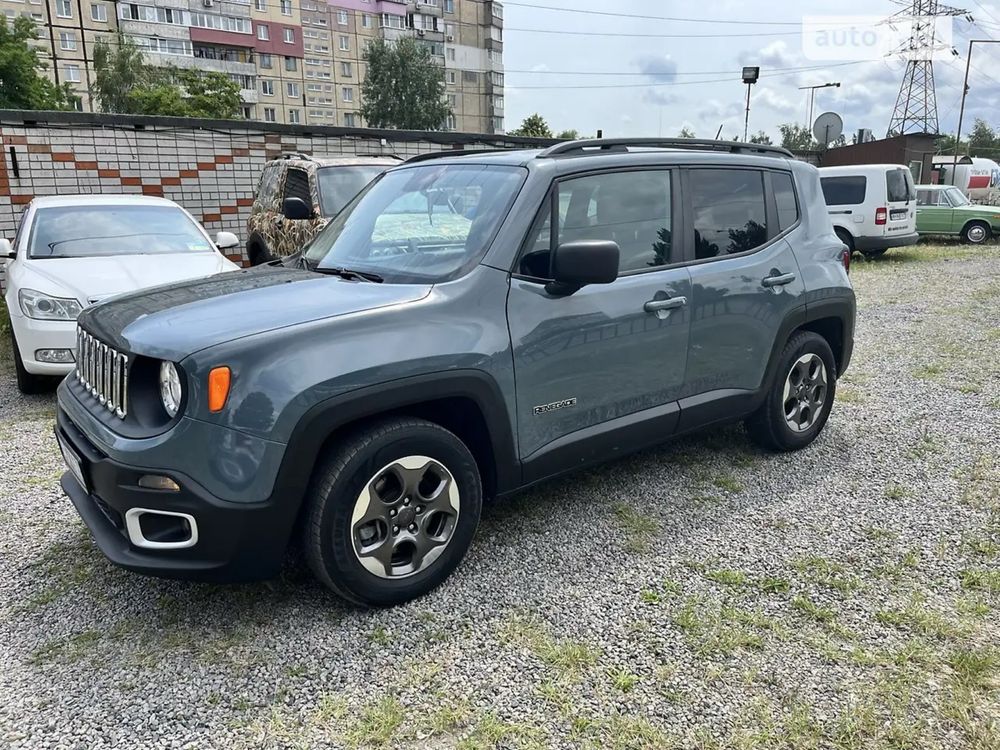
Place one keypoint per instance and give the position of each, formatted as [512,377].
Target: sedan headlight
[170,388]
[43,307]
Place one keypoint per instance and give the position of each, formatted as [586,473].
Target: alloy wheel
[805,393]
[405,517]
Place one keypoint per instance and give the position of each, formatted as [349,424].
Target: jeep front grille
[103,371]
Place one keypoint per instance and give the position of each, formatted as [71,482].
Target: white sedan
[71,252]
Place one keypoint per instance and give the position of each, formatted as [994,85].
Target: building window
[67,40]
[366,21]
[451,54]
[452,100]
[269,114]
[260,5]
[263,32]
[350,120]
[247,112]
[289,36]
[291,63]
[64,8]
[293,116]
[348,94]
[449,30]
[342,17]
[267,88]
[72,73]
[293,90]
[449,6]
[286,7]
[346,69]
[265,61]
[449,124]
[99,13]
[345,43]
[451,77]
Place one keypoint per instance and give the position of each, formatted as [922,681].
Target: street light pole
[812,96]
[965,92]
[750,76]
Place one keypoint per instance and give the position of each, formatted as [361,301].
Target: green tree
[797,137]
[21,86]
[534,126]
[210,94]
[686,132]
[983,139]
[569,135]
[404,87]
[121,75]
[761,138]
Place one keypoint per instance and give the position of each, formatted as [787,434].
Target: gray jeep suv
[467,326]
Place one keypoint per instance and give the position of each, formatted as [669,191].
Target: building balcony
[249,96]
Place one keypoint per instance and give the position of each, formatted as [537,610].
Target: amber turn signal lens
[218,388]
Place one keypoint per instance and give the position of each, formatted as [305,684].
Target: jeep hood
[174,321]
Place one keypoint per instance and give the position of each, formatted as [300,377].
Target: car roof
[50,201]
[858,169]
[318,162]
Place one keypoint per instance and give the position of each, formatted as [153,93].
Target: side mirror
[577,264]
[296,209]
[226,240]
[6,251]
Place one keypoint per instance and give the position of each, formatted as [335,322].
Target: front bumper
[235,541]
[32,335]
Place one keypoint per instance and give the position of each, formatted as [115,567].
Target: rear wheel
[27,382]
[846,238]
[976,233]
[873,254]
[392,511]
[800,398]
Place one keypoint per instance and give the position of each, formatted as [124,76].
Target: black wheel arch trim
[323,419]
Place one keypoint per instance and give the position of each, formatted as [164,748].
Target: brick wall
[209,167]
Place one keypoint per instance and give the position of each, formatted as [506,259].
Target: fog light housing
[55,356]
[157,482]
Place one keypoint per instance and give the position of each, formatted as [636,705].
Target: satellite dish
[828,128]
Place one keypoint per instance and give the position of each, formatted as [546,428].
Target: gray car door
[608,351]
[745,279]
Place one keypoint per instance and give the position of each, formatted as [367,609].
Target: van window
[297,186]
[899,186]
[729,211]
[844,191]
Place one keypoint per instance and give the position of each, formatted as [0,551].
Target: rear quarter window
[844,191]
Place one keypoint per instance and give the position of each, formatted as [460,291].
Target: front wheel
[977,233]
[392,511]
[799,400]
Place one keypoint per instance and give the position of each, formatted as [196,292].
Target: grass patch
[67,650]
[916,618]
[622,679]
[811,609]
[722,629]
[638,527]
[564,655]
[983,580]
[377,725]
[895,491]
[930,371]
[825,572]
[727,577]
[727,483]
[774,585]
[490,732]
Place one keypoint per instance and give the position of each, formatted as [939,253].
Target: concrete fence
[210,167]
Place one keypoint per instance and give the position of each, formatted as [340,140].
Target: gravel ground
[707,595]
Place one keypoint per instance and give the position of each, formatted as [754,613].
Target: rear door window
[729,211]
[845,191]
[898,186]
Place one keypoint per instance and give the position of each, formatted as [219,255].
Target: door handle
[841,213]
[779,280]
[659,305]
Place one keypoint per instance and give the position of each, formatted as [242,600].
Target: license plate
[72,461]
[897,215]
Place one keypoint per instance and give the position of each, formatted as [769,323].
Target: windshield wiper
[347,273]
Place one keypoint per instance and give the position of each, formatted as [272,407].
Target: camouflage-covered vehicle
[321,187]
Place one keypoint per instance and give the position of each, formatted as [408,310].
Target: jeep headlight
[170,388]
[41,306]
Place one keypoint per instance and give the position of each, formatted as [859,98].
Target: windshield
[427,223]
[957,197]
[86,231]
[338,185]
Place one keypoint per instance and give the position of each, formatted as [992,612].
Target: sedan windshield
[85,231]
[957,197]
[426,223]
[338,185]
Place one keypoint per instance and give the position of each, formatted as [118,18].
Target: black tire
[977,233]
[258,253]
[873,254]
[846,238]
[328,536]
[768,426]
[27,383]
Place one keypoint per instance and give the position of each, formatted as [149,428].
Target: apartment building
[296,61]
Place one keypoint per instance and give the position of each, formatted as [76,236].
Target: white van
[872,206]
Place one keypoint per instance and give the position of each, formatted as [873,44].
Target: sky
[684,74]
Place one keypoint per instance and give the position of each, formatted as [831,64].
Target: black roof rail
[457,152]
[603,145]
[296,155]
